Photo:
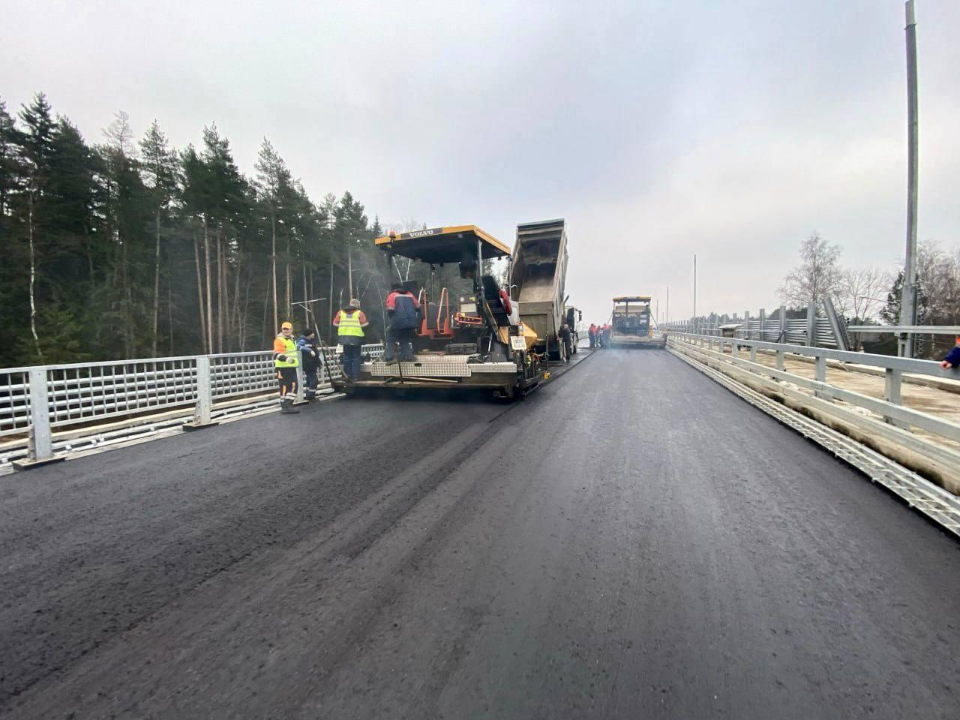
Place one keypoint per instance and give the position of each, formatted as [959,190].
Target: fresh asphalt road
[632,541]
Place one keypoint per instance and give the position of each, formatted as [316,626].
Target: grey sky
[657,129]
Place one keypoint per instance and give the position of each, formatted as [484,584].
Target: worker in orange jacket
[286,359]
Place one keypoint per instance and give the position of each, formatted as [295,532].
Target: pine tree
[36,142]
[127,214]
[9,167]
[73,253]
[196,192]
[891,311]
[94,237]
[160,170]
[275,186]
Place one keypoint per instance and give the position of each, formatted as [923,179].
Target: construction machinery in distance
[538,274]
[632,324]
[471,341]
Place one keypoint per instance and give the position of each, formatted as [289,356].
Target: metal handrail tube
[907,329]
[910,365]
[86,393]
[927,447]
[920,419]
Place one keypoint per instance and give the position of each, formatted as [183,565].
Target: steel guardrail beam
[910,365]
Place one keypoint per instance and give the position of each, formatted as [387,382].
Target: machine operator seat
[497,299]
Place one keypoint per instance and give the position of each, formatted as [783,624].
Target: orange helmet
[286,326]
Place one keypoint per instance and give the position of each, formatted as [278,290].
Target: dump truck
[632,324]
[538,272]
[465,340]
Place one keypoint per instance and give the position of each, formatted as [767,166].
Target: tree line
[871,295]
[132,248]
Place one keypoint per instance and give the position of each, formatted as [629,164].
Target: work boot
[287,408]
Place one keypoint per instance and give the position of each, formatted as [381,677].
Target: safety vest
[290,351]
[350,324]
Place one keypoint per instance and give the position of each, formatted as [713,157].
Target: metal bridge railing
[36,402]
[885,417]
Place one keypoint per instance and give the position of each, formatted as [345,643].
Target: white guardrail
[933,439]
[48,411]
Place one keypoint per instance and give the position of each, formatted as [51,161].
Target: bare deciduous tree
[862,292]
[818,275]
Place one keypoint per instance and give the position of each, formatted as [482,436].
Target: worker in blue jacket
[310,361]
[952,360]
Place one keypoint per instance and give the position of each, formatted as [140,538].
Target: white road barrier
[49,411]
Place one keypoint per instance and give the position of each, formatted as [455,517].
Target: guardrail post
[811,324]
[746,324]
[41,436]
[204,409]
[820,374]
[783,325]
[301,376]
[763,322]
[893,380]
[753,353]
[781,365]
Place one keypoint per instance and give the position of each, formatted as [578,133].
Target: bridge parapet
[48,411]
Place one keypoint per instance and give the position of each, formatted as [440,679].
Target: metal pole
[908,296]
[41,437]
[694,285]
[668,304]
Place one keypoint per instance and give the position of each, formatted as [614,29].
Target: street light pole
[694,287]
[908,294]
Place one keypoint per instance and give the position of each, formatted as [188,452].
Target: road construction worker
[952,360]
[403,310]
[350,323]
[593,336]
[309,361]
[605,334]
[566,337]
[286,360]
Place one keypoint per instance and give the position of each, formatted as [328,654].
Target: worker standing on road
[566,339]
[606,335]
[593,336]
[952,360]
[403,310]
[350,323]
[286,360]
[309,361]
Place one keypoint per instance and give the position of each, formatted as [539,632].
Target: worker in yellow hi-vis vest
[350,323]
[285,359]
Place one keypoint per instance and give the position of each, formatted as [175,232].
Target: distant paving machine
[538,272]
[476,341]
[632,324]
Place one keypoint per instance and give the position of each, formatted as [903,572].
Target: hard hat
[354,303]
[286,326]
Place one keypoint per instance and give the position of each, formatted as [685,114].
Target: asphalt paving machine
[538,272]
[471,341]
[632,324]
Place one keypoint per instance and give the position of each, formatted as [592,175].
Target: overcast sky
[657,129]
